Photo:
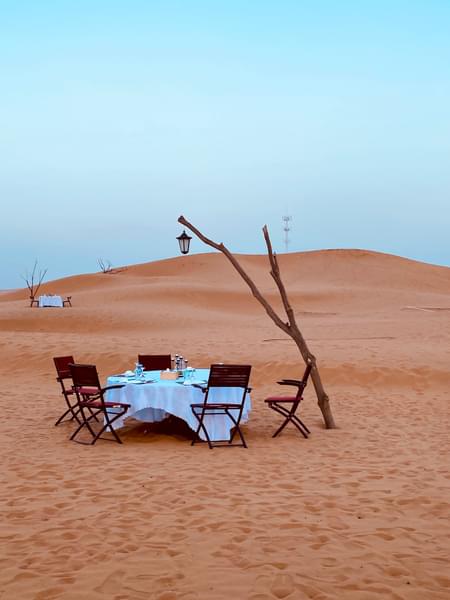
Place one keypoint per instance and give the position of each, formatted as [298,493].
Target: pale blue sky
[116,117]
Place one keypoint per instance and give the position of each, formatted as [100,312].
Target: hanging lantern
[185,241]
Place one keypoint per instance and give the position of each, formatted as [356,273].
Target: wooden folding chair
[92,403]
[222,376]
[64,375]
[67,301]
[33,301]
[288,405]
[155,362]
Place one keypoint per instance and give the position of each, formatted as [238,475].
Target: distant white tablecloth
[151,402]
[50,301]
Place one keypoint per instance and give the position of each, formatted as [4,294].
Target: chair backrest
[155,362]
[304,380]
[229,375]
[306,373]
[84,376]
[62,366]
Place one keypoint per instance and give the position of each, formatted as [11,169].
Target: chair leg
[93,414]
[300,422]
[282,426]
[211,444]
[64,415]
[107,425]
[236,429]
[290,416]
[84,423]
[73,409]
[201,426]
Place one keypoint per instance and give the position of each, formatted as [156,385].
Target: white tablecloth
[150,402]
[50,301]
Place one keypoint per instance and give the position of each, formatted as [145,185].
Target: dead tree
[34,280]
[290,326]
[105,265]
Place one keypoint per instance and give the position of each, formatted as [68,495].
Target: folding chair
[91,403]
[33,301]
[288,405]
[222,376]
[155,362]
[67,301]
[62,369]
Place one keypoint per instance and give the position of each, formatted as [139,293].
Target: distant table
[50,301]
[152,402]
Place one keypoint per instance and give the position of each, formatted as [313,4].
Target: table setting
[50,300]
[153,397]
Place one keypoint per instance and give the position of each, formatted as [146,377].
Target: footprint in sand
[282,586]
[112,584]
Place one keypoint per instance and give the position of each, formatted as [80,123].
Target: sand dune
[360,512]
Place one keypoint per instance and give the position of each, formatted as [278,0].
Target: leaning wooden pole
[290,327]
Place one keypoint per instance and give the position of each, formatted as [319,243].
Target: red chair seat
[86,391]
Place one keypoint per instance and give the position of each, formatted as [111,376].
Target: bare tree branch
[105,265]
[256,293]
[107,268]
[290,327]
[34,279]
[275,272]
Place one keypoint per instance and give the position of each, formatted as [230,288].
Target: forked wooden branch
[290,327]
[256,293]
[275,272]
[29,279]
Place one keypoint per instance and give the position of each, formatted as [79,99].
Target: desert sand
[360,512]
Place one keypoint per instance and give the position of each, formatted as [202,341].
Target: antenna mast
[287,228]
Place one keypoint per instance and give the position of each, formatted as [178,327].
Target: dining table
[50,300]
[153,398]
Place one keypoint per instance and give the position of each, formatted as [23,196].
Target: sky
[118,116]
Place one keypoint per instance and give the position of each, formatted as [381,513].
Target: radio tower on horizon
[287,228]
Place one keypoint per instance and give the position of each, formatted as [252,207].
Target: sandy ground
[360,512]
